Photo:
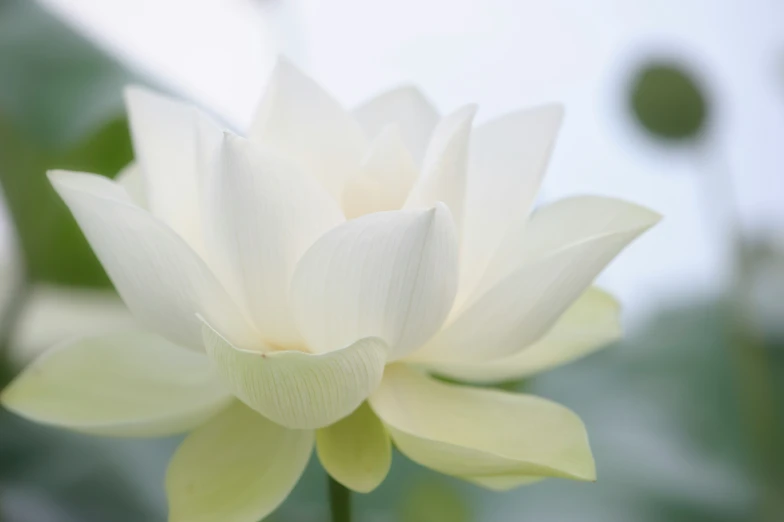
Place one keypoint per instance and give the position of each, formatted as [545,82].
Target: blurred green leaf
[668,102]
[433,500]
[52,244]
[60,107]
[667,425]
[48,475]
[56,87]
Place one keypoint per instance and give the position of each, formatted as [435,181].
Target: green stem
[339,501]
[751,361]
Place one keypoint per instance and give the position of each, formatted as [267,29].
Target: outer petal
[296,389]
[565,222]
[264,215]
[593,321]
[391,275]
[164,135]
[570,243]
[239,467]
[298,119]
[507,162]
[387,175]
[133,384]
[474,432]
[356,451]
[444,169]
[160,278]
[406,107]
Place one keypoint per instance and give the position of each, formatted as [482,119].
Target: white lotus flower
[300,285]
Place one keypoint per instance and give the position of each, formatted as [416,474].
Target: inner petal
[262,216]
[385,178]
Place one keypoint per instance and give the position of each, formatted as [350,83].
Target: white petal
[356,451]
[298,119]
[570,243]
[406,107]
[239,467]
[391,275]
[264,214]
[164,135]
[387,175]
[479,432]
[444,170]
[296,389]
[589,324]
[161,279]
[131,179]
[132,384]
[565,222]
[507,161]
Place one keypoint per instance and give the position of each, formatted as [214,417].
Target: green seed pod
[668,102]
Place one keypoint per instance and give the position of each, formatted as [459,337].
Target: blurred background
[674,104]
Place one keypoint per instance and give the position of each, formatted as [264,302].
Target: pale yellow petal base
[239,467]
[474,433]
[356,451]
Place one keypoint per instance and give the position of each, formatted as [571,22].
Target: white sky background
[506,54]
